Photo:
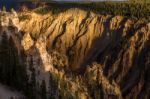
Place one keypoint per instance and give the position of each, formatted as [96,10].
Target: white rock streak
[46,58]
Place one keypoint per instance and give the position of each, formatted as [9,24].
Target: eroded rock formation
[86,55]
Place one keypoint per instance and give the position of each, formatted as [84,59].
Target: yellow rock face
[27,42]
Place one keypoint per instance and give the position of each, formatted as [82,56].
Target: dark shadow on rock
[97,53]
[137,72]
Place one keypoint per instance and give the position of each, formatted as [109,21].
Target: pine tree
[53,86]
[43,90]
[4,58]
[4,8]
[12,72]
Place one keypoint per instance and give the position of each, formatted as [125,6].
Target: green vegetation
[43,90]
[41,10]
[53,86]
[24,17]
[131,9]
[12,72]
[140,1]
[4,8]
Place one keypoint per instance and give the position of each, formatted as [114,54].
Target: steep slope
[6,93]
[80,54]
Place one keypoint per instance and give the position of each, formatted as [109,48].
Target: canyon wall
[92,56]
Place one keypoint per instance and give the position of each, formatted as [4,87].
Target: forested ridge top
[134,10]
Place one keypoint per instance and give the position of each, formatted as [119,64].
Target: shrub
[41,10]
[24,17]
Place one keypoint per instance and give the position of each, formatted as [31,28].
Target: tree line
[132,8]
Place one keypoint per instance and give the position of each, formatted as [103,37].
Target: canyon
[79,54]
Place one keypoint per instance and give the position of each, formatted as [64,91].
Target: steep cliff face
[85,54]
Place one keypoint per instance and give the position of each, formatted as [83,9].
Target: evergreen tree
[17,70]
[53,86]
[12,72]
[31,90]
[4,58]
[4,8]
[43,90]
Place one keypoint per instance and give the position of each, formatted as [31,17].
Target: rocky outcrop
[67,45]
